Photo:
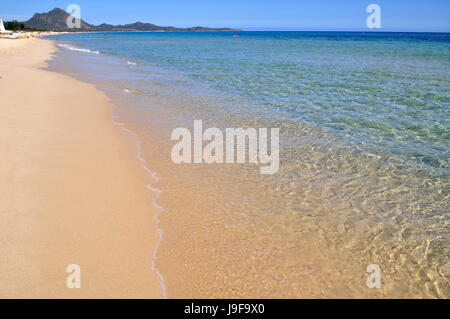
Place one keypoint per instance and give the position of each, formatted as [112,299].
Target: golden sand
[72,189]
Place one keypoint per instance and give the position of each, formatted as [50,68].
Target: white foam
[69,47]
[159,209]
[130,63]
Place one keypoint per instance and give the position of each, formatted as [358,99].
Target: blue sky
[396,15]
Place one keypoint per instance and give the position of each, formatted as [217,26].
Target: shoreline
[158,209]
[63,154]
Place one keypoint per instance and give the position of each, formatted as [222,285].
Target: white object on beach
[2,28]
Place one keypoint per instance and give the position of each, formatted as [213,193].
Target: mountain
[55,20]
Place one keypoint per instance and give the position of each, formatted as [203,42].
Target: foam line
[159,208]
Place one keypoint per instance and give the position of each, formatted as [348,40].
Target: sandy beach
[73,190]
[86,124]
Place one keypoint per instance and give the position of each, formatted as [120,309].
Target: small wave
[134,91]
[159,209]
[69,47]
[130,63]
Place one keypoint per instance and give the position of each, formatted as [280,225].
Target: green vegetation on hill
[14,25]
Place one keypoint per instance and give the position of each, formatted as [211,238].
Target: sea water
[365,146]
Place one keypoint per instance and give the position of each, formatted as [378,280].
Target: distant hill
[55,20]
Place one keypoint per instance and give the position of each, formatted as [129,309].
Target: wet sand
[73,191]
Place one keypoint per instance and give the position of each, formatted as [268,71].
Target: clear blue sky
[396,15]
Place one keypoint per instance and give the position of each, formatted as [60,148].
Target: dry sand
[72,190]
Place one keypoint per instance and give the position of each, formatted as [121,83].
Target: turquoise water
[365,146]
[389,90]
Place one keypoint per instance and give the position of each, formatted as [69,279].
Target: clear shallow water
[390,90]
[365,150]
